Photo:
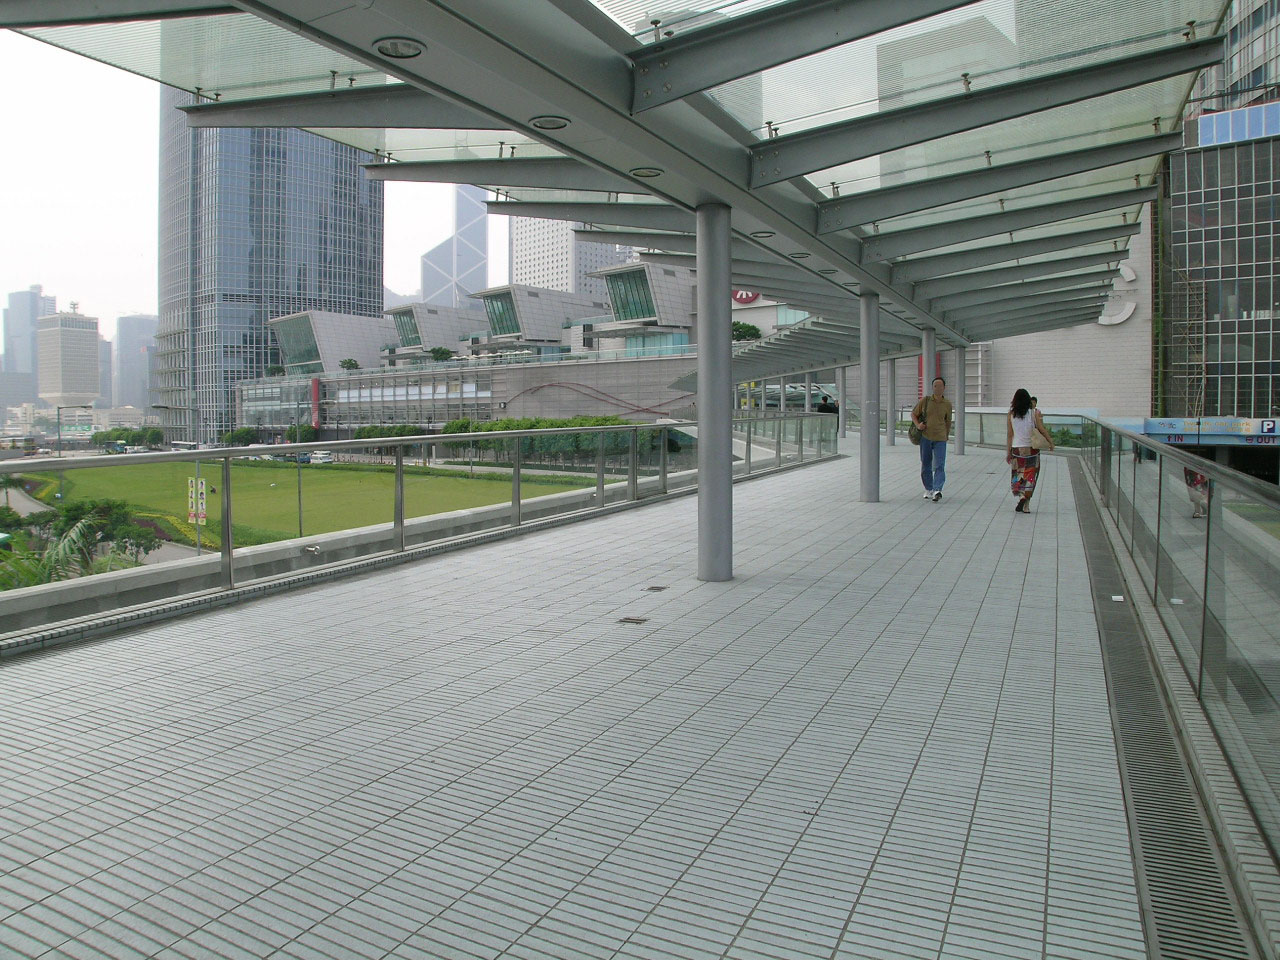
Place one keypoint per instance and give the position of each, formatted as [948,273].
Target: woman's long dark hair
[1021,404]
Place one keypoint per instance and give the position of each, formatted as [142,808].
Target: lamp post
[70,406]
[195,413]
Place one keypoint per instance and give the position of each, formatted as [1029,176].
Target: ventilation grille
[1189,910]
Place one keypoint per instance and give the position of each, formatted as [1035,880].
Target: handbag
[913,432]
[1038,441]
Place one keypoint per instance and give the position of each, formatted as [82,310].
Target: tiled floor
[888,737]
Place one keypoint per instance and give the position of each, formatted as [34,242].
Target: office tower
[135,336]
[105,354]
[544,253]
[459,267]
[254,224]
[20,316]
[1219,283]
[69,359]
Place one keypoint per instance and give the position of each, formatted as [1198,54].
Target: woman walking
[1024,420]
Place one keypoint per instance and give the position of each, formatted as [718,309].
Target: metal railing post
[228,547]
[1155,576]
[1104,485]
[800,441]
[748,456]
[398,522]
[299,463]
[633,465]
[777,446]
[600,469]
[662,459]
[515,482]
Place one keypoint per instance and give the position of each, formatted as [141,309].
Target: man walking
[932,417]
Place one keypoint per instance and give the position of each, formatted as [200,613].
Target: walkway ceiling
[959,159]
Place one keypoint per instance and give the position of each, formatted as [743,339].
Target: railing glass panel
[1181,548]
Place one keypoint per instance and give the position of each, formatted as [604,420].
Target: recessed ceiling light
[549,123]
[828,271]
[763,234]
[799,256]
[645,172]
[398,48]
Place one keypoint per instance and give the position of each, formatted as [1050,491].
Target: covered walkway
[888,737]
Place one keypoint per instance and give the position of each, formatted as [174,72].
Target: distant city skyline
[81,204]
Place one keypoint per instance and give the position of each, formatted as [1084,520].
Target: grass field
[265,495]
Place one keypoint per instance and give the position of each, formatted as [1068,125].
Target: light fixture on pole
[70,406]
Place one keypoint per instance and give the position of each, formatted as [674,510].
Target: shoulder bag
[913,432]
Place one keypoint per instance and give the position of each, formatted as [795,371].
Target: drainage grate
[1189,908]
[655,589]
[633,619]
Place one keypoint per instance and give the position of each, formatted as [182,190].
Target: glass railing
[93,534]
[1206,544]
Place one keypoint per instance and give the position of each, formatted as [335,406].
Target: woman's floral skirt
[1026,469]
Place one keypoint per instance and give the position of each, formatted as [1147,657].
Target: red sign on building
[745,296]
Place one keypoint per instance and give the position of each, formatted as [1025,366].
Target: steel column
[808,393]
[959,353]
[397,520]
[228,572]
[891,413]
[715,424]
[844,400]
[869,435]
[929,369]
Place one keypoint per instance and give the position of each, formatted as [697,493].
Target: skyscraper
[459,267]
[105,354]
[254,224]
[69,359]
[20,351]
[544,253]
[135,336]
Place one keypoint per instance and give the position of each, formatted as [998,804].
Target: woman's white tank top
[1023,427]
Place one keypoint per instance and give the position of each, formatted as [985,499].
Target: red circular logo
[745,296]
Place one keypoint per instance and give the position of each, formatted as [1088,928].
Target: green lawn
[265,495]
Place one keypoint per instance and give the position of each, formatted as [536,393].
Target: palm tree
[10,481]
[71,555]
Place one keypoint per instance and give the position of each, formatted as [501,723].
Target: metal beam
[1015,291]
[400,106]
[948,263]
[644,216]
[559,173]
[928,289]
[1029,324]
[1023,312]
[26,14]
[674,67]
[874,205]
[679,242]
[1070,319]
[819,148]
[901,243]
[980,312]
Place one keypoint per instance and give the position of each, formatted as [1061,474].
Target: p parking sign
[1269,428]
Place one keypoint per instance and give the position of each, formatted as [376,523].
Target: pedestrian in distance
[1198,491]
[1023,458]
[932,416]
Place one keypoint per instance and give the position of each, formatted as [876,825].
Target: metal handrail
[28,465]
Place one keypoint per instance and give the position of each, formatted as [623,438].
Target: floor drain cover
[655,589]
[633,620]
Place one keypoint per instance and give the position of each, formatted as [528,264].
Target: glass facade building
[254,224]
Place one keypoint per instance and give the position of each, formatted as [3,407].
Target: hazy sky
[78,160]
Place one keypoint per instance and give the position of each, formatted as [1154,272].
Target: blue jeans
[933,463]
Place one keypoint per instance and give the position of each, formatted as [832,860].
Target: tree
[71,555]
[275,370]
[10,481]
[300,433]
[136,541]
[745,331]
[241,437]
[11,520]
[349,363]
[441,354]
[154,437]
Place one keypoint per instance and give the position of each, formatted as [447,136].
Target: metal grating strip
[1190,911]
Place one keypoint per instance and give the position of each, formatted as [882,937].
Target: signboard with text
[1214,431]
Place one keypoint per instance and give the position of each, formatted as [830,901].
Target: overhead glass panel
[984,44]
[438,144]
[228,56]
[1126,115]
[637,16]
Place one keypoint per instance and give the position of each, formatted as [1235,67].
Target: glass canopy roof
[779,72]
